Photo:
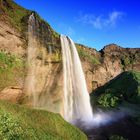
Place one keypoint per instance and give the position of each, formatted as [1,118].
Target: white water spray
[76,97]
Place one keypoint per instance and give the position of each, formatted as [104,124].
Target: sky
[94,23]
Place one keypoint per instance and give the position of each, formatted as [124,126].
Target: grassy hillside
[14,14]
[125,87]
[85,54]
[20,123]
[11,70]
[17,17]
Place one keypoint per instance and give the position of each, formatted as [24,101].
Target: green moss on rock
[11,69]
[85,55]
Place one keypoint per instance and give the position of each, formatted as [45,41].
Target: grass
[21,123]
[18,17]
[15,14]
[11,69]
[125,87]
[85,55]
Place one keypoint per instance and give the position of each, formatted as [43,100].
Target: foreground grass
[20,123]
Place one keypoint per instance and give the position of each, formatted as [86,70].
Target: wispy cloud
[66,29]
[80,40]
[101,21]
[70,31]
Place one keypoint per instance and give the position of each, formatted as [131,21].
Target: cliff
[99,66]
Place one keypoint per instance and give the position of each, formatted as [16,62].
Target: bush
[10,128]
[116,137]
[108,100]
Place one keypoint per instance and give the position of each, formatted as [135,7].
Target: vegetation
[126,61]
[108,100]
[85,55]
[15,14]
[11,69]
[125,87]
[116,137]
[18,16]
[20,123]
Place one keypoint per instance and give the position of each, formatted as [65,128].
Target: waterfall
[76,101]
[76,97]
[30,81]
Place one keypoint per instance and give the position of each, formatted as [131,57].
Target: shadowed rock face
[99,67]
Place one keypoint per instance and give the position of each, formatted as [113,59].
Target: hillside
[124,87]
[20,123]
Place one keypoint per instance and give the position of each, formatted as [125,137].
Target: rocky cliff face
[110,62]
[99,67]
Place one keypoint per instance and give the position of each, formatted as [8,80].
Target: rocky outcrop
[112,60]
[11,40]
[11,94]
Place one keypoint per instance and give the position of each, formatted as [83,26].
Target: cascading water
[31,56]
[76,97]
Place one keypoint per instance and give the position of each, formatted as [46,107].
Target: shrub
[108,100]
[10,129]
[116,137]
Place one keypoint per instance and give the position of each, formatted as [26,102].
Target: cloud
[80,40]
[70,31]
[101,21]
[66,29]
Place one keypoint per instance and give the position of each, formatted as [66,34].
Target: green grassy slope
[11,70]
[125,87]
[17,17]
[20,123]
[14,14]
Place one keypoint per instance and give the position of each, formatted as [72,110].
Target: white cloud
[66,29]
[101,21]
[70,31]
[80,40]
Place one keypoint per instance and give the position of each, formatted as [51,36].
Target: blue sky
[94,23]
